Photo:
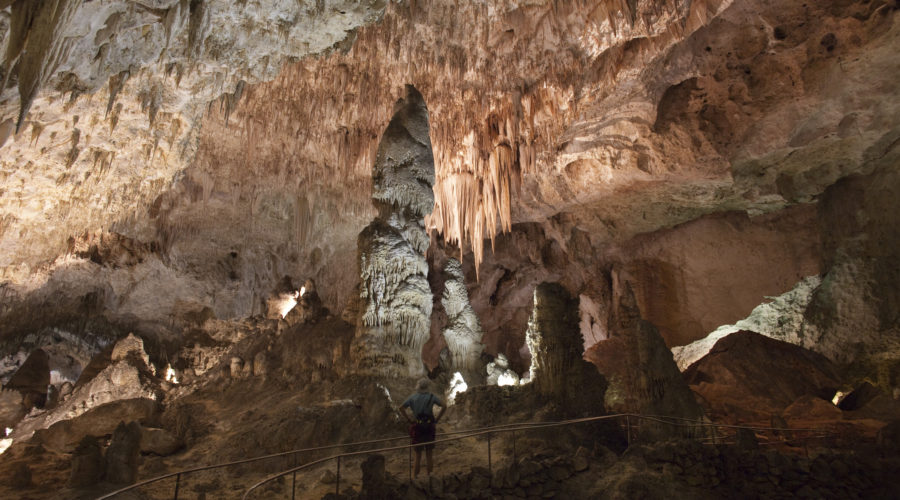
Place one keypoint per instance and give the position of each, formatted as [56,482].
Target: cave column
[395,298]
[558,370]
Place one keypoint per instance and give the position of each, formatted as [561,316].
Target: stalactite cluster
[101,102]
[489,136]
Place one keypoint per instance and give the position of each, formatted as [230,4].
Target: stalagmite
[396,300]
[558,371]
[463,331]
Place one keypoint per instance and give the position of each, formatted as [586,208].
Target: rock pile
[536,476]
[733,472]
[671,469]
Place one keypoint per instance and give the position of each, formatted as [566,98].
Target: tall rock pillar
[395,299]
[558,371]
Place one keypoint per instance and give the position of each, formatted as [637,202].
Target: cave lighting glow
[507,379]
[287,301]
[5,443]
[457,385]
[170,375]
[838,396]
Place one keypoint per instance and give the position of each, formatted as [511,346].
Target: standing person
[418,409]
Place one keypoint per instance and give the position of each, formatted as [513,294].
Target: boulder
[65,435]
[159,441]
[582,459]
[748,376]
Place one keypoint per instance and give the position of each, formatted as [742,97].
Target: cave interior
[637,248]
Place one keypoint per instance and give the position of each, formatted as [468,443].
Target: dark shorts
[423,433]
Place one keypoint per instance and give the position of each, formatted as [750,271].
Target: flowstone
[395,298]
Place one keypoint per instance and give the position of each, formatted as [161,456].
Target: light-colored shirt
[421,403]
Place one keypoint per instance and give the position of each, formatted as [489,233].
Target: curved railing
[631,426]
[178,474]
[693,425]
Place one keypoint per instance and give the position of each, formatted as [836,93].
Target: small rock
[259,364]
[328,477]
[373,478]
[559,473]
[237,365]
[580,461]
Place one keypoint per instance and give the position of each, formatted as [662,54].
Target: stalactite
[37,46]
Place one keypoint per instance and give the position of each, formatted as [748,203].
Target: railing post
[628,428]
[177,483]
[715,429]
[294,476]
[515,459]
[490,472]
[410,462]
[337,483]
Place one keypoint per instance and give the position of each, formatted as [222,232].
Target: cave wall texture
[167,162]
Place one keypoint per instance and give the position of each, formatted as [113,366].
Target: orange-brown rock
[748,377]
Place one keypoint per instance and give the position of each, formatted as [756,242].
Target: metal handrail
[465,434]
[515,427]
[178,474]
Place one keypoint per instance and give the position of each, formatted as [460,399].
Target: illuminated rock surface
[173,169]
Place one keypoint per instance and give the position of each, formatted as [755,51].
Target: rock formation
[558,371]
[750,377]
[463,331]
[681,170]
[122,455]
[642,374]
[394,293]
[32,380]
[87,463]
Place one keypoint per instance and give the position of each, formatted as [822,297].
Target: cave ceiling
[200,151]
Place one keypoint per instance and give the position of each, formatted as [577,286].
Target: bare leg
[419,461]
[428,458]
